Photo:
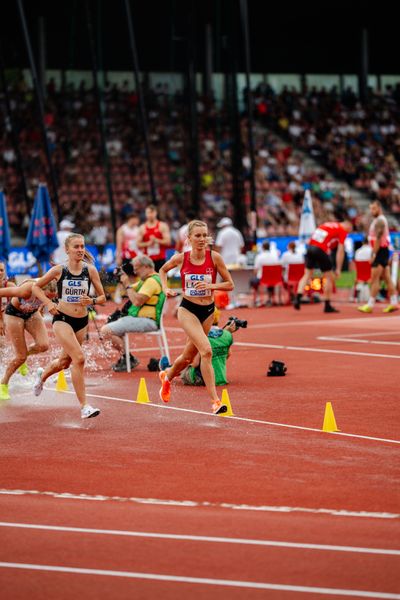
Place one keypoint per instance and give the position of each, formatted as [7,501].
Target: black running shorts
[316,258]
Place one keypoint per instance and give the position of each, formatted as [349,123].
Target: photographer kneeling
[144,314]
[221,341]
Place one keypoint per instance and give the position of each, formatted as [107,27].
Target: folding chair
[294,274]
[271,276]
[363,276]
[161,339]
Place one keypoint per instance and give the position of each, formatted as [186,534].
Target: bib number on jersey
[153,250]
[191,280]
[73,290]
[319,235]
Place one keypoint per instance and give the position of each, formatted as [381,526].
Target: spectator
[99,236]
[144,315]
[154,237]
[127,239]
[267,257]
[364,252]
[229,242]
[182,241]
[292,256]
[59,254]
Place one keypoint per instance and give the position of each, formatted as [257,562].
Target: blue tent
[42,235]
[5,242]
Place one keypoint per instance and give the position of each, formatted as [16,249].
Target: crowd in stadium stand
[358,144]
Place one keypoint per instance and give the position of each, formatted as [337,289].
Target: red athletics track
[166,500]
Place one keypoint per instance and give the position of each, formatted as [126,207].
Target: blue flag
[42,235]
[5,242]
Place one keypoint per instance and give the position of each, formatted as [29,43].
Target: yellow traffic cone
[329,419]
[61,385]
[142,395]
[226,402]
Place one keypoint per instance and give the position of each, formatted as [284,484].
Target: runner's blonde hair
[195,223]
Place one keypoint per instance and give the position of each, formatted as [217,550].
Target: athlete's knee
[20,358]
[206,353]
[64,362]
[78,359]
[185,359]
[43,347]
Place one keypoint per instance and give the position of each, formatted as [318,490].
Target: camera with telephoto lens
[126,268]
[238,322]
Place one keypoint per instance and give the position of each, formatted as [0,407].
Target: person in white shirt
[66,227]
[229,242]
[364,252]
[267,257]
[364,255]
[292,256]
[182,241]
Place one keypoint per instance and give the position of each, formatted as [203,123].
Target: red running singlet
[155,251]
[191,273]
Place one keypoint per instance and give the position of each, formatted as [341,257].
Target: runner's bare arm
[100,297]
[227,282]
[166,235]
[175,261]
[379,231]
[22,291]
[140,242]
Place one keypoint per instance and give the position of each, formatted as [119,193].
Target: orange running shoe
[218,408]
[165,389]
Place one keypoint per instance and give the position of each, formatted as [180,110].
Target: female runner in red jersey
[199,268]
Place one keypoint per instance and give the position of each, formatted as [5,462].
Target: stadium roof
[286,37]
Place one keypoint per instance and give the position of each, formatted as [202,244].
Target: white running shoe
[87,412]
[38,387]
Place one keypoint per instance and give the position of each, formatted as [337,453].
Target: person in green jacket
[221,340]
[147,300]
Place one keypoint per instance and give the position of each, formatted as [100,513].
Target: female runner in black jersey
[70,315]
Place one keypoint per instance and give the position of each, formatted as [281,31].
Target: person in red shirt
[199,268]
[154,237]
[327,237]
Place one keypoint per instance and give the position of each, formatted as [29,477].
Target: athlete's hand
[52,308]
[124,279]
[85,300]
[202,285]
[337,273]
[170,293]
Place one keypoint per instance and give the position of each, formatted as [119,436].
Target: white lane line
[203,581]
[356,340]
[390,322]
[235,418]
[322,350]
[203,538]
[369,334]
[202,504]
